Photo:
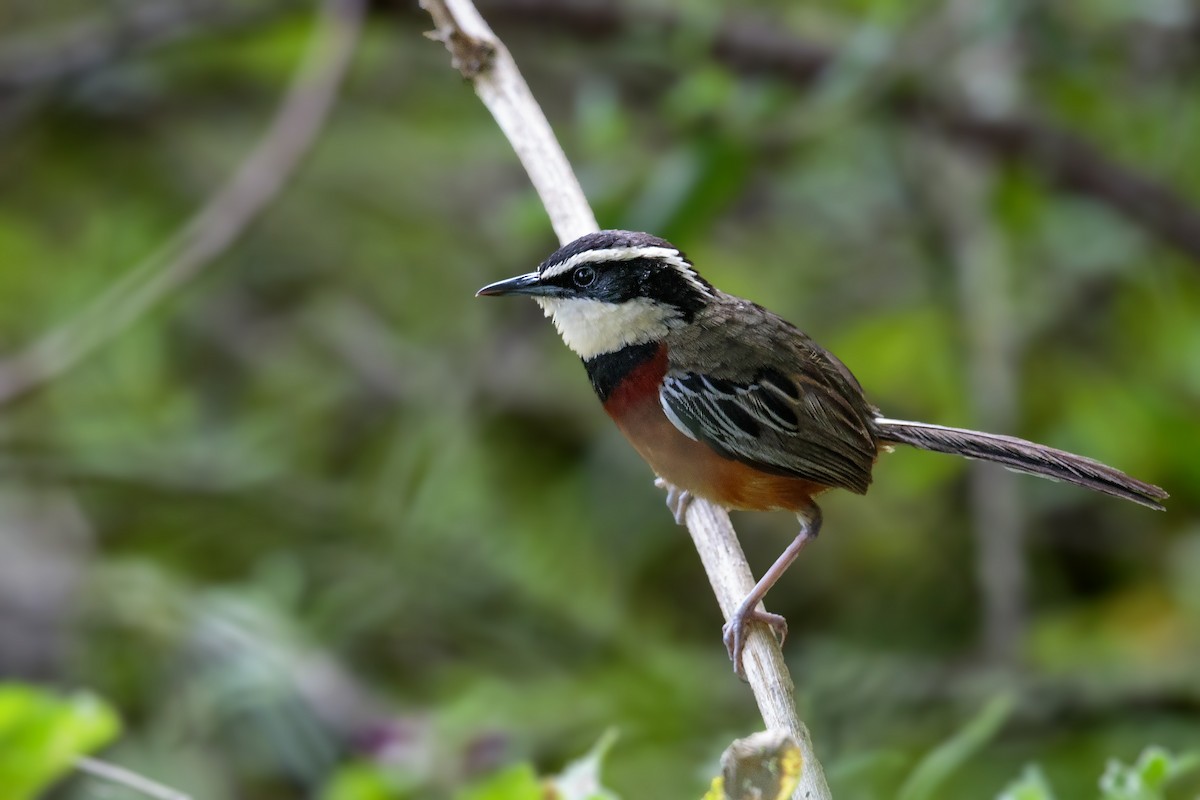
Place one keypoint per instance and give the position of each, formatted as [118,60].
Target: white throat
[594,327]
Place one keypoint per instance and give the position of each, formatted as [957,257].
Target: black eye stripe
[567,278]
[619,280]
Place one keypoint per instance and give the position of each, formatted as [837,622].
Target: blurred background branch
[120,776]
[1066,160]
[226,214]
[37,62]
[958,186]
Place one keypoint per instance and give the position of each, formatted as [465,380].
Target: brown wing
[756,389]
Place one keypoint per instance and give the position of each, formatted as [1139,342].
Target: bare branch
[218,224]
[485,61]
[1065,160]
[768,675]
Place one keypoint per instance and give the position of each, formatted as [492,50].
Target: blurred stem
[483,59]
[127,778]
[960,185]
[997,514]
[227,214]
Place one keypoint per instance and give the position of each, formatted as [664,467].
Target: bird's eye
[584,277]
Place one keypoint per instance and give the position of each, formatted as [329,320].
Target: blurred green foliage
[931,772]
[1156,775]
[580,780]
[323,524]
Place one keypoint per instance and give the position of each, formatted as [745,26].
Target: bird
[729,402]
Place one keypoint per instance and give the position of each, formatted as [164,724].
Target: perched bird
[729,402]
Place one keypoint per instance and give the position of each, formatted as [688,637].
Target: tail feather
[1022,456]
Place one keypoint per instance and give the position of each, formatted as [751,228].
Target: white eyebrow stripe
[667,255]
[609,254]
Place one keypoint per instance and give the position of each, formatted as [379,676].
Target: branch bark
[226,215]
[484,60]
[1065,160]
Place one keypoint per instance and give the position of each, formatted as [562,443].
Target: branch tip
[470,55]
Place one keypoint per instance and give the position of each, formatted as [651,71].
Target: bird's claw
[678,500]
[737,629]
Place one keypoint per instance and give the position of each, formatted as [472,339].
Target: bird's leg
[678,500]
[735,631]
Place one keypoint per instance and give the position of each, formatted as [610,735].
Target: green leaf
[942,761]
[518,782]
[1032,785]
[363,781]
[41,735]
[1155,768]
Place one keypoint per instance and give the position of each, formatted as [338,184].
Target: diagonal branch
[1065,160]
[483,60]
[217,225]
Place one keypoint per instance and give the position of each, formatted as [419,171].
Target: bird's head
[608,290]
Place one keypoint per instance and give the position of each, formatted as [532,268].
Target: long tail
[1022,456]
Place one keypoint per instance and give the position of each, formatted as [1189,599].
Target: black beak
[529,283]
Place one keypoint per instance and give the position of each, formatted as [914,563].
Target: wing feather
[757,389]
[801,427]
